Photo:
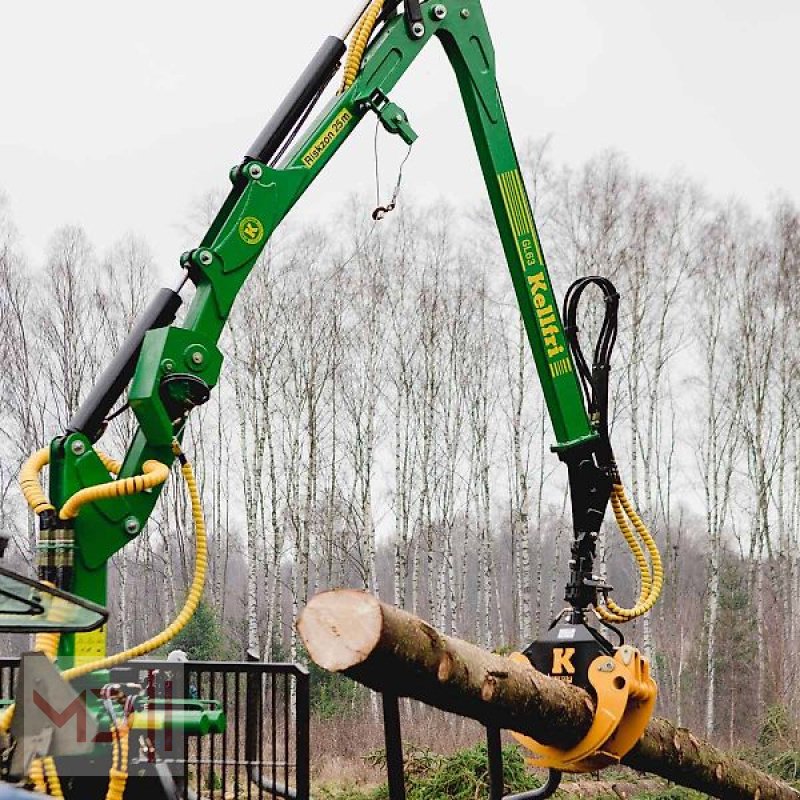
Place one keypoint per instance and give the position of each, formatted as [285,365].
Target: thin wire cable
[381,211]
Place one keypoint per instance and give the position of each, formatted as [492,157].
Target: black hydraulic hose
[594,379]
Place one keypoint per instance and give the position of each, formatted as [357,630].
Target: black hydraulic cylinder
[89,418]
[315,76]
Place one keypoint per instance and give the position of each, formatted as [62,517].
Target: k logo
[251,230]
[562,661]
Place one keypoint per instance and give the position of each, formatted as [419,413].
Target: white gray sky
[119,116]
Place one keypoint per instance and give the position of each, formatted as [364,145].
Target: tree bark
[391,650]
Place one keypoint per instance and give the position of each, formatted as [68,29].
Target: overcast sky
[119,116]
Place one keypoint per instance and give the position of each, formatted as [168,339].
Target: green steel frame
[260,199]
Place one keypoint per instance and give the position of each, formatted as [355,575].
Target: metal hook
[381,211]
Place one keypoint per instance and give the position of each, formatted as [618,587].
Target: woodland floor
[445,761]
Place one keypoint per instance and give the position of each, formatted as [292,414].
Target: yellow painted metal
[626,698]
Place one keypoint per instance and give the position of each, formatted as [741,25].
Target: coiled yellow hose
[118,774]
[154,473]
[111,464]
[53,782]
[47,643]
[36,776]
[651,574]
[29,481]
[358,44]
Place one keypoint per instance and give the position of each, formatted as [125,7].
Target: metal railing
[263,751]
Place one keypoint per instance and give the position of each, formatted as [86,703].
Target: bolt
[197,358]
[417,30]
[439,12]
[255,171]
[464,13]
[606,666]
[205,257]
[132,526]
[78,447]
[399,118]
[168,365]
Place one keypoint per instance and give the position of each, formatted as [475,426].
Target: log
[390,650]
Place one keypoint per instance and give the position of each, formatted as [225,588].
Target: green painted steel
[260,199]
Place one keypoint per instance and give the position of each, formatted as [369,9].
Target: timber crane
[95,504]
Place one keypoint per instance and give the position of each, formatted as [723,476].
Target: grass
[464,776]
[446,760]
[460,776]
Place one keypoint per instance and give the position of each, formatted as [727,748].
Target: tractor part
[168,367]
[29,606]
[192,717]
[195,717]
[625,699]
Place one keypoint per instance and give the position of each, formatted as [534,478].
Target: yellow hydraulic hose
[53,782]
[29,481]
[118,774]
[47,643]
[651,574]
[36,776]
[358,44]
[111,464]
[154,474]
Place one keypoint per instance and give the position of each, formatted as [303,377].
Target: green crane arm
[174,366]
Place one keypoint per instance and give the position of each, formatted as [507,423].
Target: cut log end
[340,628]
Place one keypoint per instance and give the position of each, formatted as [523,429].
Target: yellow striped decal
[519,212]
[561,367]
